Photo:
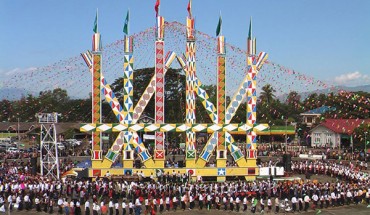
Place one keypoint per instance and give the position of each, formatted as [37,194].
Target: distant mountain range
[364,88]
[16,93]
[13,93]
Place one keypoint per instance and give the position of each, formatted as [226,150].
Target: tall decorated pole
[190,88]
[159,153]
[251,94]
[128,92]
[96,154]
[221,99]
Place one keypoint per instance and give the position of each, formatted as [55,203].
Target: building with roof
[312,117]
[335,132]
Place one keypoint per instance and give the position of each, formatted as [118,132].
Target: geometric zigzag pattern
[221,98]
[96,98]
[190,93]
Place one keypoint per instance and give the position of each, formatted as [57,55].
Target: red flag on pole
[189,8]
[156,7]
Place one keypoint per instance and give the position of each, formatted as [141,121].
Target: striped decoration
[160,28]
[96,42]
[221,45]
[128,44]
[159,96]
[190,31]
[251,105]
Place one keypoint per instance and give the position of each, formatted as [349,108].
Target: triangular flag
[189,8]
[125,27]
[218,30]
[156,7]
[96,23]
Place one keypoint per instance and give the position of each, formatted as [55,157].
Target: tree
[267,94]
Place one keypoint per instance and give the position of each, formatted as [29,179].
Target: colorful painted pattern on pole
[96,105]
[251,105]
[128,90]
[130,140]
[202,94]
[159,98]
[190,97]
[221,90]
[150,89]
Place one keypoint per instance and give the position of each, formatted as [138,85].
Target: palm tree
[267,94]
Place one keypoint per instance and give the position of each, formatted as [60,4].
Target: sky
[328,40]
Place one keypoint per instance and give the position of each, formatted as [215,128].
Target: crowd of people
[21,191]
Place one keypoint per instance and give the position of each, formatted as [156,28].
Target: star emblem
[221,171]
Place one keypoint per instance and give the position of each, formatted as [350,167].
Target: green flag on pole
[125,27]
[96,23]
[218,30]
[250,30]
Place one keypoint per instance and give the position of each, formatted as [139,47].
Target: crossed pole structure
[128,143]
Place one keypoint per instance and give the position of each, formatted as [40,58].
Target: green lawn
[6,135]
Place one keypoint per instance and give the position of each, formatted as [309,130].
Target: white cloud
[351,78]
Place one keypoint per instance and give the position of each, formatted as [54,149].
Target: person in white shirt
[269,205]
[96,208]
[277,205]
[262,204]
[37,204]
[124,206]
[245,204]
[191,202]
[87,208]
[161,206]
[111,206]
[130,208]
[200,201]
[294,203]
[237,203]
[27,202]
[306,202]
[174,203]
[231,203]
[315,199]
[333,198]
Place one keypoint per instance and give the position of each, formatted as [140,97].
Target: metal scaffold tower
[48,142]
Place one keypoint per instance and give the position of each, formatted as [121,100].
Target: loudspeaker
[34,165]
[258,161]
[287,159]
[138,164]
[181,164]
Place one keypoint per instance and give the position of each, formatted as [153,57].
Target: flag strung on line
[156,7]
[218,30]
[96,22]
[189,8]
[125,27]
